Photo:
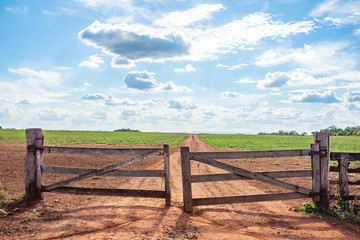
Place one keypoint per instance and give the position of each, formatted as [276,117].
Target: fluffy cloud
[24,101]
[99,115]
[93,62]
[113,101]
[321,58]
[181,103]
[353,96]
[170,39]
[312,96]
[274,80]
[144,81]
[95,96]
[230,94]
[184,18]
[338,12]
[94,4]
[134,42]
[188,68]
[241,65]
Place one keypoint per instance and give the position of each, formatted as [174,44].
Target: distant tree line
[126,130]
[284,133]
[348,131]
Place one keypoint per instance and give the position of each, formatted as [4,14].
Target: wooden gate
[34,169]
[318,172]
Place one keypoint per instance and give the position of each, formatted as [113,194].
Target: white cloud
[353,96]
[17,10]
[274,80]
[94,4]
[188,68]
[245,80]
[181,103]
[24,101]
[86,84]
[184,18]
[238,66]
[129,43]
[321,58]
[99,115]
[230,94]
[312,96]
[93,62]
[144,81]
[35,86]
[338,12]
[113,101]
[96,96]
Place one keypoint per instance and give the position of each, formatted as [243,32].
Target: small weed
[333,163]
[276,164]
[355,164]
[3,197]
[296,163]
[343,210]
[351,174]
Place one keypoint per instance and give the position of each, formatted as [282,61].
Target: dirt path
[91,217]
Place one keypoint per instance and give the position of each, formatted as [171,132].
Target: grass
[277,142]
[99,137]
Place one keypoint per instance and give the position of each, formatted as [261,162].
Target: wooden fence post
[343,163]
[34,153]
[167,174]
[186,179]
[315,167]
[323,140]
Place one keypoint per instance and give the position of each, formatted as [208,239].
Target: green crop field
[276,142]
[99,137]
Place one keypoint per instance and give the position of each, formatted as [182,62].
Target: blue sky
[180,66]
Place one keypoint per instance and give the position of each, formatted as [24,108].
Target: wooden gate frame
[34,169]
[319,173]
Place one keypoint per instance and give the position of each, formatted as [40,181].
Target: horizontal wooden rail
[100,151]
[349,182]
[233,176]
[251,154]
[350,170]
[352,156]
[117,173]
[247,198]
[110,192]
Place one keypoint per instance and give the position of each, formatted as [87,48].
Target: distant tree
[126,130]
[348,131]
[0,127]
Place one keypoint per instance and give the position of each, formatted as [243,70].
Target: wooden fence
[34,169]
[319,173]
[343,169]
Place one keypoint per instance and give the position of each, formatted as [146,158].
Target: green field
[99,137]
[276,142]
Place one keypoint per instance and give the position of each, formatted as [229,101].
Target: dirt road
[93,217]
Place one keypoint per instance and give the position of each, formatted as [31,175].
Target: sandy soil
[65,216]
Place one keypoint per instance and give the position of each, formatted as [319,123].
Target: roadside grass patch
[341,209]
[277,142]
[98,137]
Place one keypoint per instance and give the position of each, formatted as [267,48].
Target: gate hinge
[33,148]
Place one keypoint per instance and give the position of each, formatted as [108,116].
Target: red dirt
[65,216]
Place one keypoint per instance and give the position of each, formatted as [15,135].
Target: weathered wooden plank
[186,179]
[343,164]
[116,173]
[167,174]
[33,158]
[352,156]
[350,170]
[100,151]
[247,198]
[232,176]
[102,170]
[110,192]
[253,175]
[349,182]
[323,139]
[251,154]
[315,167]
